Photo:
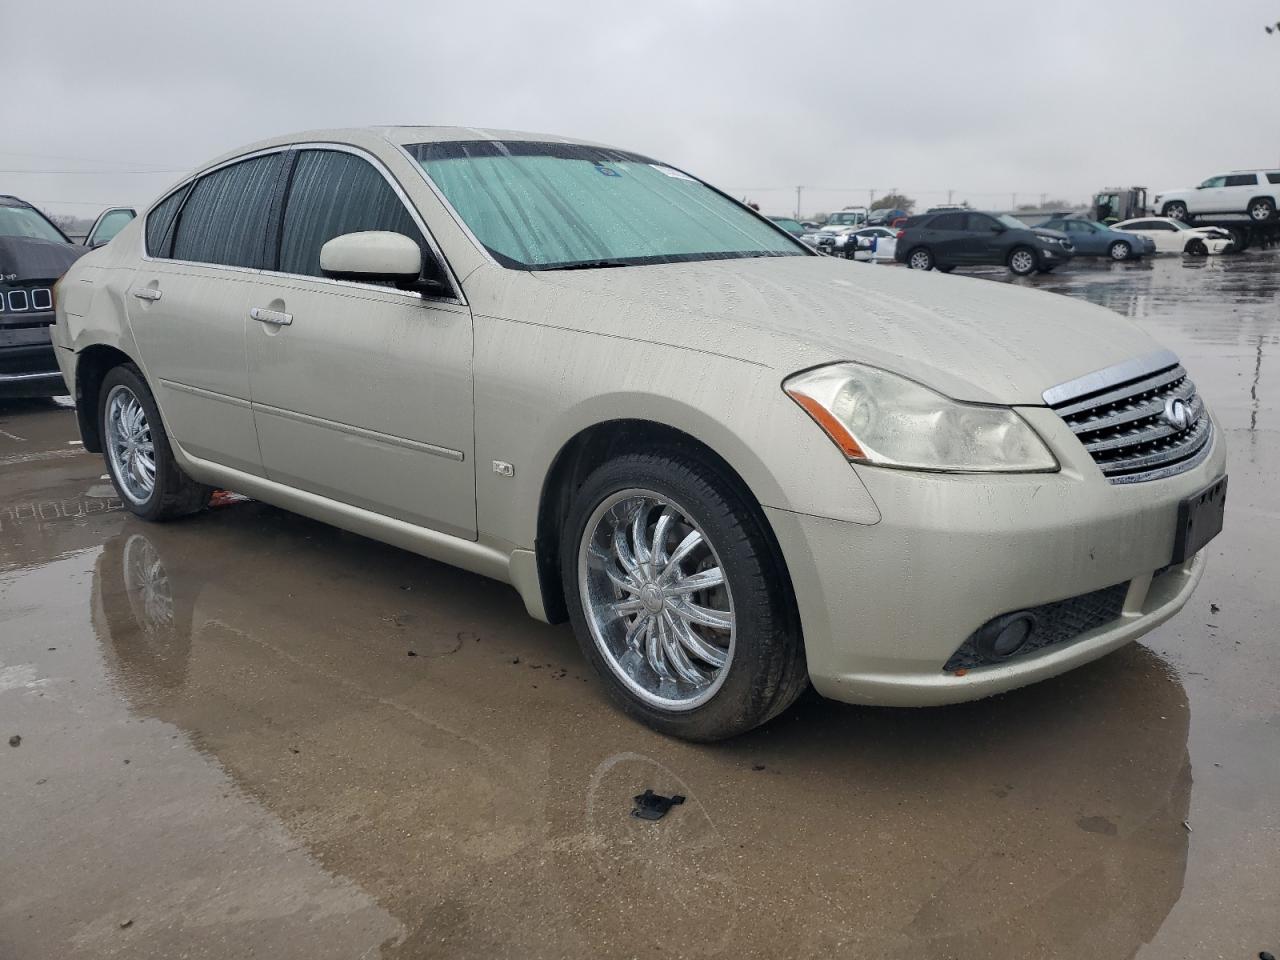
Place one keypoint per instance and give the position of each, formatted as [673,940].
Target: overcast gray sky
[984,98]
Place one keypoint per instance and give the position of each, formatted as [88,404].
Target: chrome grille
[1130,418]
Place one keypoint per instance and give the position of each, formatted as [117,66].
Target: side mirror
[373,256]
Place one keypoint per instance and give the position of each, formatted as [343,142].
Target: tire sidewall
[128,376]
[740,703]
[1117,247]
[1169,209]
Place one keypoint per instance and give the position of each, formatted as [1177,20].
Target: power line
[93,172]
[54,156]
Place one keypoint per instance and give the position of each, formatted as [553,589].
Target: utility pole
[1013,202]
[949,194]
[798,192]
[1043,197]
[871,196]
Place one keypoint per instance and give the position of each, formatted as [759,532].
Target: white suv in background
[1254,193]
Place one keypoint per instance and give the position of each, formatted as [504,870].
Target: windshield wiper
[589,265]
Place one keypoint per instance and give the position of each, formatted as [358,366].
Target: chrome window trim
[1111,376]
[458,297]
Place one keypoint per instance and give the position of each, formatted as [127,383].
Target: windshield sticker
[607,171]
[670,172]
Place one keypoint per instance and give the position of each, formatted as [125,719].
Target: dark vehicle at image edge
[955,238]
[33,255]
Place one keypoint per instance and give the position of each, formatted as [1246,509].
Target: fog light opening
[1005,636]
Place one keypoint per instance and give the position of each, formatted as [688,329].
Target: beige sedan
[736,466]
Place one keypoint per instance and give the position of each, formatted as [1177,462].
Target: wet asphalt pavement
[251,735]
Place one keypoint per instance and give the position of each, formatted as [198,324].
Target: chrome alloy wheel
[1260,211]
[129,444]
[656,599]
[920,260]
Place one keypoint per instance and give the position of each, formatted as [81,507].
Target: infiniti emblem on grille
[1176,413]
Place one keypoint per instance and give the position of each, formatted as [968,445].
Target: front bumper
[30,370]
[885,606]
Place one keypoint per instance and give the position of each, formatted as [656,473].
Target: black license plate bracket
[1199,520]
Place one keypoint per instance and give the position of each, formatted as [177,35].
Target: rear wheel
[1175,210]
[136,448]
[1262,209]
[921,258]
[1022,261]
[678,598]
[1120,250]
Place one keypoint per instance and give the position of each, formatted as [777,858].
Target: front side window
[948,221]
[539,206]
[226,216]
[28,224]
[333,192]
[1214,182]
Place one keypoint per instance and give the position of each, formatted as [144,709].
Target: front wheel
[921,258]
[137,451]
[1262,209]
[678,597]
[1120,250]
[1175,210]
[1197,248]
[1022,261]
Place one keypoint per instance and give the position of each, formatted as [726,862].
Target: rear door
[187,306]
[1238,190]
[362,392]
[945,236]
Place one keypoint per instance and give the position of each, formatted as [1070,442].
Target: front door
[186,305]
[361,393]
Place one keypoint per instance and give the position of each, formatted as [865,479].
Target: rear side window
[1273,178]
[1242,180]
[333,193]
[225,219]
[947,221]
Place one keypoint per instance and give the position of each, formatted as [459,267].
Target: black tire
[1120,250]
[921,258]
[174,494]
[1262,209]
[1175,210]
[1197,248]
[1239,239]
[767,671]
[1021,266]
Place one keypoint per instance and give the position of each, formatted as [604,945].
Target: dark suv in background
[957,238]
[33,255]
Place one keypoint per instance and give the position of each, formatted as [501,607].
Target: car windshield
[1013,223]
[545,206]
[787,224]
[27,223]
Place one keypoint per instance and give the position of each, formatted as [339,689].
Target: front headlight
[881,418]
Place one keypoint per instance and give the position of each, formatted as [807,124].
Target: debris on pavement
[15,740]
[654,806]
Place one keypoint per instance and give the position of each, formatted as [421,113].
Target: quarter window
[160,224]
[225,218]
[333,193]
[1273,178]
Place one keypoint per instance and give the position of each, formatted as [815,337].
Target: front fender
[564,382]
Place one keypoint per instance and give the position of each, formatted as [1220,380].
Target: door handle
[147,293]
[271,316]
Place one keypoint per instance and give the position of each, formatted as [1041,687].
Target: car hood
[969,338]
[26,258]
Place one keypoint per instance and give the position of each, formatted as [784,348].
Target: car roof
[397,135]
